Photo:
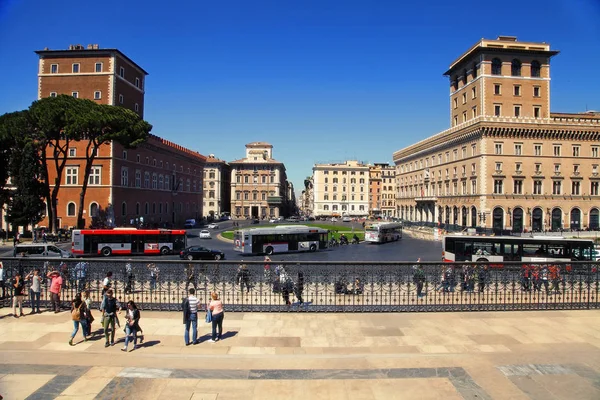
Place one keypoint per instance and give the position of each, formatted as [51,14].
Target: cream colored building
[341,189]
[307,199]
[217,187]
[382,190]
[507,162]
[259,186]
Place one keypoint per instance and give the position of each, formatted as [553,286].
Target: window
[75,68]
[497,89]
[464,116]
[136,107]
[474,186]
[146,179]
[455,120]
[498,167]
[518,167]
[595,151]
[72,152]
[71,210]
[497,110]
[473,93]
[52,94]
[557,150]
[496,66]
[518,187]
[455,102]
[538,168]
[98,67]
[124,176]
[517,90]
[464,98]
[498,186]
[517,111]
[121,99]
[535,69]
[71,175]
[154,181]
[537,110]
[594,188]
[138,178]
[137,82]
[518,149]
[575,186]
[575,151]
[161,182]
[556,187]
[122,72]
[536,91]
[474,112]
[537,187]
[97,95]
[537,149]
[557,168]
[515,67]
[54,68]
[498,148]
[95,175]
[75,94]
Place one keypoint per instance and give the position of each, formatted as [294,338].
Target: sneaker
[124,349]
[22,315]
[134,348]
[142,339]
[15,316]
[106,344]
[212,341]
[85,339]
[112,343]
[71,342]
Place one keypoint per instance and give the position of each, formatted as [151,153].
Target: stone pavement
[502,355]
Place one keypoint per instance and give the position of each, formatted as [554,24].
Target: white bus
[280,239]
[510,248]
[383,232]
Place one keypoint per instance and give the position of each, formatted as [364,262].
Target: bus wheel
[217,257]
[313,247]
[482,260]
[269,250]
[106,252]
[190,257]
[164,251]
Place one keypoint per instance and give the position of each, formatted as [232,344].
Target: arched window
[515,68]
[496,66]
[594,219]
[123,209]
[535,69]
[71,209]
[93,209]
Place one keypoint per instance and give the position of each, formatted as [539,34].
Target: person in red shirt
[55,287]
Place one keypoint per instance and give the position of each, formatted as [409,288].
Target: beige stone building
[217,187]
[259,186]
[307,199]
[507,162]
[341,189]
[382,190]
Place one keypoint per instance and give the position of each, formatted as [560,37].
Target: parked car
[255,221]
[40,250]
[334,219]
[346,219]
[204,234]
[274,220]
[212,226]
[201,253]
[293,219]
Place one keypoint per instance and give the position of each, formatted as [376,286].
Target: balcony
[274,200]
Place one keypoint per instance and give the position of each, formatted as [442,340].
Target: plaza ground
[502,355]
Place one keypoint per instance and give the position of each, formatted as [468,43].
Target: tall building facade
[382,190]
[306,204]
[217,188]
[159,183]
[507,162]
[259,186]
[106,76]
[341,189]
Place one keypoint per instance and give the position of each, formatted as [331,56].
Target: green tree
[10,124]
[100,124]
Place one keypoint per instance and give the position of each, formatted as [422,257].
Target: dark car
[256,221]
[201,253]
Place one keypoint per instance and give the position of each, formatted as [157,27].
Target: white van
[40,250]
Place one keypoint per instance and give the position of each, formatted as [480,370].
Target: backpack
[76,313]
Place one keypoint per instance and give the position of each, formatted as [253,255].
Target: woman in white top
[34,290]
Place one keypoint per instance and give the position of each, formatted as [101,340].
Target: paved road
[407,249]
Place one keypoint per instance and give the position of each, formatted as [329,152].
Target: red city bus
[127,241]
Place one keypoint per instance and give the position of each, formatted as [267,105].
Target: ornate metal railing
[327,287]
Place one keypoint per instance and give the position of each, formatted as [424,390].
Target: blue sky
[321,80]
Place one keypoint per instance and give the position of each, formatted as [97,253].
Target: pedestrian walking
[419,277]
[299,287]
[55,289]
[483,276]
[109,307]
[286,285]
[107,282]
[78,315]
[35,289]
[154,272]
[130,277]
[216,309]
[190,276]
[132,327]
[190,317]
[81,274]
[18,294]
[243,277]
[2,280]
[89,317]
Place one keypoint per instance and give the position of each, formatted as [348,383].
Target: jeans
[193,321]
[419,288]
[152,283]
[108,321]
[83,323]
[17,300]
[81,285]
[35,301]
[56,302]
[131,335]
[217,321]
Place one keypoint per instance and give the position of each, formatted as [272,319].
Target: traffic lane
[406,249]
